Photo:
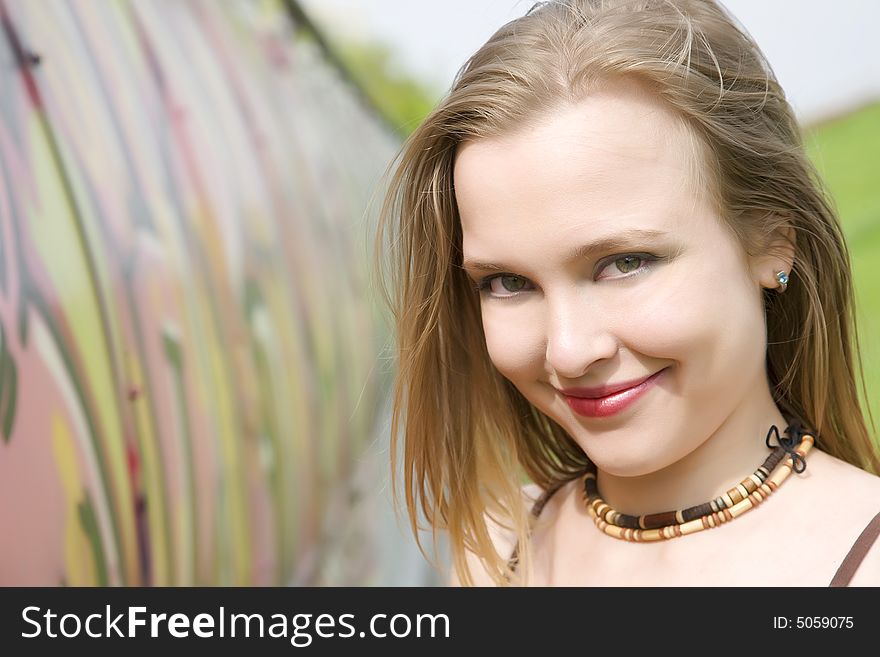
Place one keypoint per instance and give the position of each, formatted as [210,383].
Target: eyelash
[483,285]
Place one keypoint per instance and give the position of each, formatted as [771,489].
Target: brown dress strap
[537,507]
[857,553]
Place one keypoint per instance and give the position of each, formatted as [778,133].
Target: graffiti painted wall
[188,370]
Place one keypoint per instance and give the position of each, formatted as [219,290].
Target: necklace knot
[794,434]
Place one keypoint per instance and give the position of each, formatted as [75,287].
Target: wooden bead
[626,520]
[691,527]
[741,507]
[735,495]
[695,512]
[780,475]
[656,520]
[617,532]
[773,460]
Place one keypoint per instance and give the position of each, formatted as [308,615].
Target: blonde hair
[467,433]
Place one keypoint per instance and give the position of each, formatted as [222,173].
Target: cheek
[514,341]
[711,321]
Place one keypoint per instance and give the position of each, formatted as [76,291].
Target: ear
[778,255]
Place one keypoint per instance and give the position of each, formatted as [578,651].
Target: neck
[728,455]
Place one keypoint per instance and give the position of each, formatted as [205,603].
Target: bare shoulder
[846,499]
[503,540]
[842,481]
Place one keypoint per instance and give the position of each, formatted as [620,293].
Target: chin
[628,468]
[624,459]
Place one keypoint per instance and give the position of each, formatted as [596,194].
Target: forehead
[617,159]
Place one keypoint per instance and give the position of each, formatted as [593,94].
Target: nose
[578,335]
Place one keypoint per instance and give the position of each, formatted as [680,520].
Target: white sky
[826,53]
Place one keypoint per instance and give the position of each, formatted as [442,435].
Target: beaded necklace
[748,494]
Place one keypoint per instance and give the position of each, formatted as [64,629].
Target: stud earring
[782,277]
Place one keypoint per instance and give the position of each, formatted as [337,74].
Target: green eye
[512,283]
[630,263]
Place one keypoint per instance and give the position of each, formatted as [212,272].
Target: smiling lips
[605,401]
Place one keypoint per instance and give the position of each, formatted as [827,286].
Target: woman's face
[601,265]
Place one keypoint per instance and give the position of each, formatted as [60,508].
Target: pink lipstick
[609,400]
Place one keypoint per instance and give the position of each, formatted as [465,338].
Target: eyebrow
[620,241]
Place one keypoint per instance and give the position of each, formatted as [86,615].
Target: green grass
[846,152]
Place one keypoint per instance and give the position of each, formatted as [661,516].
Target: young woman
[617,280]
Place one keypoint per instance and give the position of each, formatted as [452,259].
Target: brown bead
[773,460]
[626,520]
[657,520]
[695,512]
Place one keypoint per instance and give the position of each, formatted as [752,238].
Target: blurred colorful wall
[189,368]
